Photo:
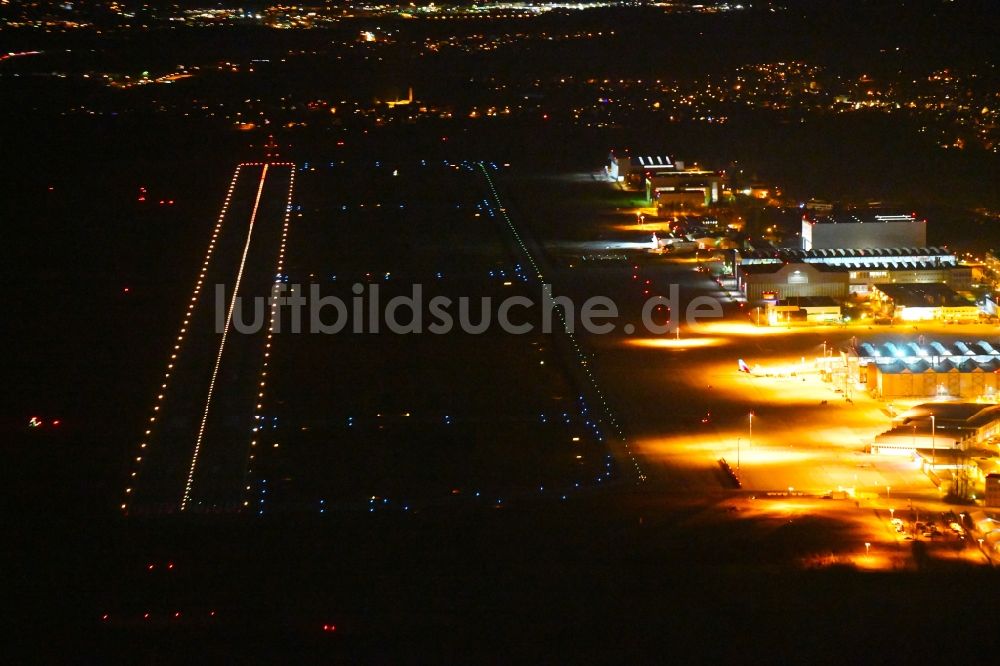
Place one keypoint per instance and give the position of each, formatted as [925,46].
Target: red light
[149,567]
[56,422]
[170,202]
[125,290]
[329,627]
[170,565]
[105,617]
[145,616]
[177,614]
[211,614]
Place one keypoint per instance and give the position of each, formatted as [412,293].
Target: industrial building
[922,302]
[863,231]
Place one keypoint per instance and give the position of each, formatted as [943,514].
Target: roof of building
[921,437]
[678,173]
[922,295]
[849,267]
[965,414]
[899,266]
[867,217]
[980,349]
[938,364]
[646,161]
[809,302]
[653,160]
[774,268]
[795,254]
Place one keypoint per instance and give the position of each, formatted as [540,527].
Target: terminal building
[852,231]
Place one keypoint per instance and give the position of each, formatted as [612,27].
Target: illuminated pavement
[320,423]
[194,452]
[682,399]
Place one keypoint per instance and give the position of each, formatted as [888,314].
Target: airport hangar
[934,369]
[668,183]
[632,170]
[839,273]
[866,230]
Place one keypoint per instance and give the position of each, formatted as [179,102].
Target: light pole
[750,438]
[888,490]
[868,546]
[892,513]
[737,455]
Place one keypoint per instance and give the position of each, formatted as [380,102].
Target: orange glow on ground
[675,343]
[648,225]
[746,328]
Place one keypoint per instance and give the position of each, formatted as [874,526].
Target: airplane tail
[744,367]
